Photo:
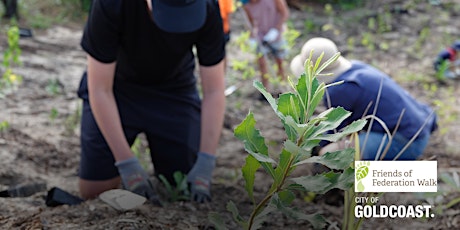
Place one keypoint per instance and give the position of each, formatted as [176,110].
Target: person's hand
[271,35]
[200,177]
[135,179]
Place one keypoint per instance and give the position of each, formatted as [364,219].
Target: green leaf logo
[362,169]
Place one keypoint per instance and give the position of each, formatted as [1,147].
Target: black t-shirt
[123,31]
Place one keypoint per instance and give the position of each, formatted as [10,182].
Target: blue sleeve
[345,95]
[101,34]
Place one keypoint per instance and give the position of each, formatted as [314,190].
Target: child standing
[267,18]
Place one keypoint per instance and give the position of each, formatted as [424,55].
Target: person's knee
[90,189]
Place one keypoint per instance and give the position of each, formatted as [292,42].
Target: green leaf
[293,129]
[333,118]
[250,136]
[217,221]
[231,207]
[317,183]
[253,141]
[282,171]
[289,105]
[354,127]
[334,160]
[322,183]
[286,197]
[343,181]
[317,97]
[249,175]
[259,86]
[302,91]
[262,216]
[316,220]
[262,158]
[295,150]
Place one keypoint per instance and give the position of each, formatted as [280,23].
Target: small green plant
[10,80]
[180,190]
[4,125]
[367,40]
[53,87]
[440,73]
[141,153]
[304,132]
[72,121]
[54,113]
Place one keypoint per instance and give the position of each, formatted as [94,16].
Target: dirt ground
[42,142]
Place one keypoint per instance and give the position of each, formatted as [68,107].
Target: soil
[42,142]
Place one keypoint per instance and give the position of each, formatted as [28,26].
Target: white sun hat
[320,45]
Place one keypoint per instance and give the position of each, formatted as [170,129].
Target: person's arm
[282,7]
[251,23]
[213,106]
[212,116]
[105,110]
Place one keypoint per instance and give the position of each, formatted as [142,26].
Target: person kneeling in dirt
[359,94]
[140,79]
[451,58]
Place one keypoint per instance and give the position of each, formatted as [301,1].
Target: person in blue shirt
[451,57]
[359,94]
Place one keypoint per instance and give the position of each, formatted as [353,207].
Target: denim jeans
[374,140]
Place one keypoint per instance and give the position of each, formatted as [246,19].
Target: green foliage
[443,67]
[9,80]
[304,131]
[73,120]
[450,191]
[54,113]
[53,87]
[367,41]
[45,13]
[142,153]
[180,190]
[4,125]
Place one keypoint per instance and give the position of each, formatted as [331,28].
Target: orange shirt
[226,8]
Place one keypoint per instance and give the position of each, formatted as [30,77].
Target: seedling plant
[304,131]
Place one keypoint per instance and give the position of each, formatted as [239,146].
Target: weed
[142,153]
[54,113]
[180,190]
[53,87]
[4,125]
[73,120]
[10,80]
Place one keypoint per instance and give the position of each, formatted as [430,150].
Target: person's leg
[372,145]
[97,170]
[412,152]
[11,9]
[280,64]
[263,72]
[174,138]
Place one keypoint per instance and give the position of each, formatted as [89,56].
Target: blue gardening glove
[200,177]
[135,179]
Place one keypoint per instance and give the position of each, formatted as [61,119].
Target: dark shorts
[170,121]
